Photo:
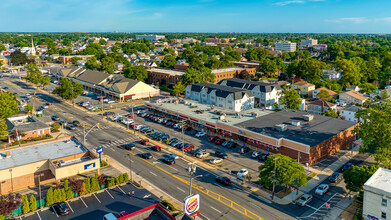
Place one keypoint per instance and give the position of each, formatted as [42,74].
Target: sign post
[99,151]
[191,204]
[328,205]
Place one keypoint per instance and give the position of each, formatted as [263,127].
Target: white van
[109,216]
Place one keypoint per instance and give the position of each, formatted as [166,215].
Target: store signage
[89,166]
[243,133]
[372,217]
[191,204]
[99,150]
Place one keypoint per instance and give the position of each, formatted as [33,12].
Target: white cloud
[283,3]
[355,20]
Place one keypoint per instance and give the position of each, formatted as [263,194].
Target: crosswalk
[323,210]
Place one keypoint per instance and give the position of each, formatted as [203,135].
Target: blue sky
[264,16]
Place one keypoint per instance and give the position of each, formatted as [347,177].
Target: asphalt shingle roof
[249,85]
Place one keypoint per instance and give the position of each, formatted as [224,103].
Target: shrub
[66,185]
[83,189]
[126,177]
[69,194]
[49,197]
[120,178]
[75,185]
[55,126]
[103,163]
[87,182]
[63,196]
[25,203]
[33,203]
[57,195]
[167,204]
[117,180]
[102,179]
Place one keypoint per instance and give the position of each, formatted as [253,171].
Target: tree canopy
[18,58]
[168,62]
[35,76]
[69,90]
[291,99]
[108,65]
[356,176]
[135,72]
[193,76]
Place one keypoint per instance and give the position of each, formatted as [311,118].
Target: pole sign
[191,204]
[99,151]
[328,205]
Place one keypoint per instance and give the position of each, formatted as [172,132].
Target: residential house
[3,61]
[304,87]
[265,94]
[332,74]
[351,97]
[318,107]
[222,96]
[377,196]
[119,66]
[354,88]
[349,113]
[25,127]
[316,91]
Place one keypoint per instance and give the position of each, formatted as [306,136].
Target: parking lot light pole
[130,169]
[39,188]
[183,137]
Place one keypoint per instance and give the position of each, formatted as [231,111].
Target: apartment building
[151,37]
[222,96]
[304,87]
[265,94]
[165,76]
[231,72]
[349,113]
[351,97]
[377,196]
[318,107]
[309,42]
[285,46]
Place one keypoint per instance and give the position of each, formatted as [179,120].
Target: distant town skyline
[264,16]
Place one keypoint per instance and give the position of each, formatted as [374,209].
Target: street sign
[292,188]
[328,205]
[99,150]
[191,204]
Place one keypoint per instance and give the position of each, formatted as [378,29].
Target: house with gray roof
[25,127]
[226,97]
[265,94]
[349,113]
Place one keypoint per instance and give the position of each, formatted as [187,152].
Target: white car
[200,134]
[255,154]
[242,173]
[322,189]
[304,199]
[216,160]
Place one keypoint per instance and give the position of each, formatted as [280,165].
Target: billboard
[89,166]
[191,204]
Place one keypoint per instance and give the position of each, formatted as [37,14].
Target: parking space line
[55,211]
[96,197]
[69,206]
[122,190]
[39,216]
[215,209]
[109,194]
[311,207]
[83,202]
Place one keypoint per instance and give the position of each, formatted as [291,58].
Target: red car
[219,141]
[144,141]
[123,213]
[212,138]
[156,148]
[188,147]
[130,115]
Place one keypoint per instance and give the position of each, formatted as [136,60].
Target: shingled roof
[221,91]
[250,85]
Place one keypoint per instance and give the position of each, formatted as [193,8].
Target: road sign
[292,188]
[191,204]
[328,205]
[99,150]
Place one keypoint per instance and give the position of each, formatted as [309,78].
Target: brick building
[67,59]
[25,127]
[165,76]
[231,72]
[296,134]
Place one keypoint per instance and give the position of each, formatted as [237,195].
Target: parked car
[177,143]
[212,138]
[55,118]
[188,147]
[193,132]
[216,160]
[202,154]
[76,123]
[335,177]
[304,199]
[223,180]
[231,145]
[255,154]
[172,140]
[346,166]
[221,154]
[156,148]
[200,134]
[61,209]
[144,141]
[172,155]
[122,214]
[146,155]
[244,150]
[322,189]
[219,141]
[71,126]
[63,123]
[225,143]
[263,157]
[242,173]
[109,216]
[194,152]
[129,146]
[169,160]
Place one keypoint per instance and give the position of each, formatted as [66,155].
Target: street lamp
[274,175]
[130,169]
[183,137]
[39,187]
[191,182]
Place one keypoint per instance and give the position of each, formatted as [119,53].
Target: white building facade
[285,46]
[151,37]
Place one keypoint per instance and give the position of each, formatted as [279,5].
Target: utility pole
[183,137]
[274,175]
[34,104]
[192,169]
[39,188]
[134,121]
[130,169]
[17,136]
[191,183]
[84,132]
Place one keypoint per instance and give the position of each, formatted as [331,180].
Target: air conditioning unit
[222,117]
[308,117]
[281,127]
[296,123]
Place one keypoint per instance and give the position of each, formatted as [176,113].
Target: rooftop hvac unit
[280,127]
[308,117]
[222,117]
[296,123]
[254,114]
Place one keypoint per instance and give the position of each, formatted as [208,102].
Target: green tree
[2,48]
[351,74]
[33,203]
[291,99]
[268,66]
[26,204]
[95,183]
[311,69]
[168,62]
[356,176]
[8,105]
[57,195]
[55,126]
[324,95]
[18,58]
[92,63]
[288,172]
[193,76]
[35,76]
[28,108]
[87,182]
[179,88]
[383,94]
[3,130]
[75,59]
[126,177]
[66,185]
[330,113]
[63,195]
[69,194]
[49,197]
[135,72]
[102,42]
[83,189]
[108,65]
[94,49]
[69,90]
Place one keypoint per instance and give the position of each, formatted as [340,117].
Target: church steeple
[32,51]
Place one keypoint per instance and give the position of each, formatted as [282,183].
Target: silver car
[304,199]
[322,189]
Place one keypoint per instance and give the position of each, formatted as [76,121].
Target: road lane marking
[122,190]
[215,209]
[312,207]
[180,189]
[109,194]
[174,169]
[69,206]
[96,198]
[153,173]
[83,202]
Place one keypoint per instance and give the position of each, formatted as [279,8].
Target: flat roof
[380,180]
[228,69]
[172,72]
[34,153]
[311,133]
[186,107]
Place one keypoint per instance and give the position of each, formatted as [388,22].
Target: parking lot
[96,205]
